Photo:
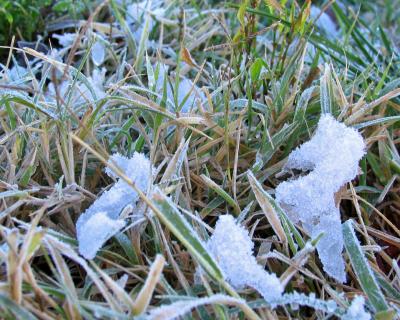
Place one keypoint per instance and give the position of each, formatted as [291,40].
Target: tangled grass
[260,75]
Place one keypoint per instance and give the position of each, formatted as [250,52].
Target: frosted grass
[186,90]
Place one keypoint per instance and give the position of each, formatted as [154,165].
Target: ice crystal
[357,310]
[332,155]
[232,248]
[102,219]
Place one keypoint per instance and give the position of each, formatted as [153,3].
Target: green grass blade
[221,192]
[170,216]
[362,269]
[326,91]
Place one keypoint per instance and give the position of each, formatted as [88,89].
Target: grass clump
[216,95]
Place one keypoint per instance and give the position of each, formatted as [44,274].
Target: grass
[264,91]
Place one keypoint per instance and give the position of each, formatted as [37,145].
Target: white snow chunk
[333,155]
[108,206]
[118,160]
[232,248]
[357,310]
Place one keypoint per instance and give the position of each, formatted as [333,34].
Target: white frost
[357,310]
[15,74]
[333,155]
[97,81]
[232,248]
[102,219]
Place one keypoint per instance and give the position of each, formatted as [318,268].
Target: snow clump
[102,219]
[231,246]
[332,155]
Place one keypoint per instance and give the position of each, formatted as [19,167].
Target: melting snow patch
[232,248]
[102,219]
[332,155]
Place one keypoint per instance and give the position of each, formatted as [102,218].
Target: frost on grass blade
[178,309]
[188,93]
[136,13]
[332,155]
[80,93]
[91,233]
[98,53]
[363,271]
[232,248]
[17,72]
[300,299]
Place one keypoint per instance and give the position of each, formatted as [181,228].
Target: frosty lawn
[201,160]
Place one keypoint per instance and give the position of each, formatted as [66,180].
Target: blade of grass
[146,293]
[169,214]
[221,192]
[363,271]
[267,208]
